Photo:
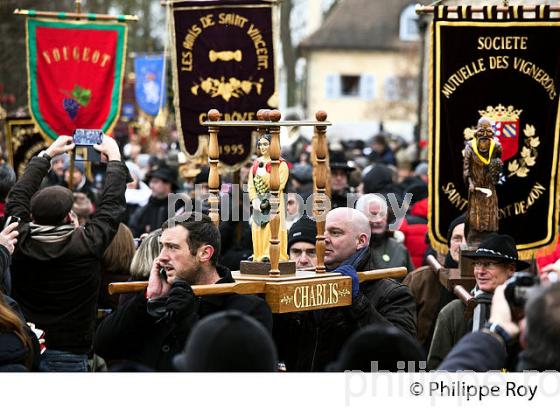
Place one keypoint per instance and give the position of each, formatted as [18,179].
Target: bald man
[347,235]
[309,341]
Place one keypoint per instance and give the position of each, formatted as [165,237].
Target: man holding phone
[56,267]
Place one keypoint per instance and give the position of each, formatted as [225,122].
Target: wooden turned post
[320,196]
[262,115]
[213,159]
[274,215]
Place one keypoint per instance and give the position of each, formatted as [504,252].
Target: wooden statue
[482,165]
[259,185]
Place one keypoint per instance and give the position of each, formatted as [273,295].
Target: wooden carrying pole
[462,294]
[247,288]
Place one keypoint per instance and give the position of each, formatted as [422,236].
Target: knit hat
[457,221]
[228,341]
[303,230]
[385,345]
[50,205]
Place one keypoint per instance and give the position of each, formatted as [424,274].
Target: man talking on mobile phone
[56,266]
[153,326]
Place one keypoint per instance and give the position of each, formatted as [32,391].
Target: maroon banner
[223,59]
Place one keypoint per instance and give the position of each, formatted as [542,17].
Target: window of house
[350,86]
[400,88]
[408,27]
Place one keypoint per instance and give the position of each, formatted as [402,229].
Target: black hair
[201,231]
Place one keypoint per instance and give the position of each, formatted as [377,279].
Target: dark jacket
[477,351]
[14,355]
[397,255]
[130,333]
[392,300]
[5,277]
[309,341]
[57,284]
[149,217]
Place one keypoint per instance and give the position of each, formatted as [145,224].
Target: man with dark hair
[56,267]
[152,327]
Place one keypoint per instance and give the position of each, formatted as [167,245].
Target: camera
[519,287]
[87,138]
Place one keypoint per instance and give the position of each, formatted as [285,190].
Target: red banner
[75,72]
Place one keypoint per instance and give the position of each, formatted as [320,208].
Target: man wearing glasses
[495,261]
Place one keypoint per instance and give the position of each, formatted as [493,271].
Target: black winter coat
[57,284]
[14,355]
[309,341]
[149,217]
[130,333]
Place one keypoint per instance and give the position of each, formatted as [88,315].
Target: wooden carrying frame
[302,290]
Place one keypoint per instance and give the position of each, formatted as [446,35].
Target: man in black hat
[340,170]
[495,261]
[152,327]
[301,243]
[56,267]
[162,181]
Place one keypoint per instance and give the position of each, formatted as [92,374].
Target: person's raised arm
[20,196]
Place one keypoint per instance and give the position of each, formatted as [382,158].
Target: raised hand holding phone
[8,236]
[157,285]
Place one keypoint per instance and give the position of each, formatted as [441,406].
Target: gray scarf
[51,234]
[482,309]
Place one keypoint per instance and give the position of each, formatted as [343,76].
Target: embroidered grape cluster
[261,187]
[71,107]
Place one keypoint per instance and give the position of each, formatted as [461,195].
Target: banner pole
[420,9]
[64,15]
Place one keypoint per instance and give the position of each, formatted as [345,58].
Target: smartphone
[162,274]
[11,219]
[87,137]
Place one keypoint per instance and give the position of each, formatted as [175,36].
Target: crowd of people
[66,237]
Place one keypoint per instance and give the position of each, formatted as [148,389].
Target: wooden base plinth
[263,268]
